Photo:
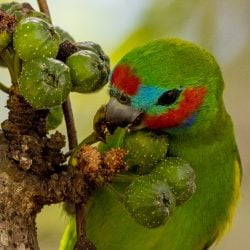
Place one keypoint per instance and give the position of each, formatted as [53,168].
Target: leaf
[113,141]
[68,240]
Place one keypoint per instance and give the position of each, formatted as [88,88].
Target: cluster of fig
[160,183]
[44,78]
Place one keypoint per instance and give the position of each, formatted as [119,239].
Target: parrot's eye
[112,92]
[124,99]
[121,97]
[168,97]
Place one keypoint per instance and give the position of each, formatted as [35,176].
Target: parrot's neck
[212,153]
[200,146]
[199,129]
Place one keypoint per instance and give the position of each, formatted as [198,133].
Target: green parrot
[173,86]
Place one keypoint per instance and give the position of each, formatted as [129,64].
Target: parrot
[176,87]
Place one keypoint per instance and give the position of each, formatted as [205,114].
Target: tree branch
[22,196]
[4,88]
[43,6]
[70,124]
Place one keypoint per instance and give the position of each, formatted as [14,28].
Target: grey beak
[121,115]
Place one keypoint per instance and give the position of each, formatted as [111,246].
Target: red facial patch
[192,99]
[124,79]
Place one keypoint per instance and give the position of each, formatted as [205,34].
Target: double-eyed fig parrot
[176,87]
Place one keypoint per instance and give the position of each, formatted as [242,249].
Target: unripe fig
[54,118]
[7,26]
[45,82]
[85,71]
[94,47]
[64,35]
[149,201]
[5,39]
[145,150]
[22,10]
[7,6]
[34,38]
[179,175]
[33,13]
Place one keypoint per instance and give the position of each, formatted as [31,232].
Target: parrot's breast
[211,208]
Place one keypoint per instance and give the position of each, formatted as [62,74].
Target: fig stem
[8,61]
[4,88]
[125,178]
[17,63]
[91,139]
[70,124]
[119,196]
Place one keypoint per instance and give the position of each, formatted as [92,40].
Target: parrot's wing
[69,236]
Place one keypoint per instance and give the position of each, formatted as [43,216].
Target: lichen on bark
[22,196]
[32,173]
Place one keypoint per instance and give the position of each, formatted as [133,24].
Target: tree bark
[17,209]
[22,196]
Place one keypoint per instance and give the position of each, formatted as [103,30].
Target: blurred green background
[119,25]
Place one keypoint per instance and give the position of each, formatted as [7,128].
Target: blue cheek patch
[146,97]
[189,121]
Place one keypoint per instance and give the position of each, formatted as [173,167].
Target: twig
[72,140]
[43,6]
[7,59]
[70,124]
[91,139]
[4,88]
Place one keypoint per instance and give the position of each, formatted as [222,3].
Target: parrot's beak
[121,115]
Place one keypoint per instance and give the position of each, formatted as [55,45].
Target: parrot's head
[170,85]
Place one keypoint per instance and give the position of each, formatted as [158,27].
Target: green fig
[64,35]
[94,47]
[9,6]
[179,175]
[5,39]
[34,38]
[7,26]
[149,201]
[145,150]
[23,10]
[85,67]
[45,82]
[54,118]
